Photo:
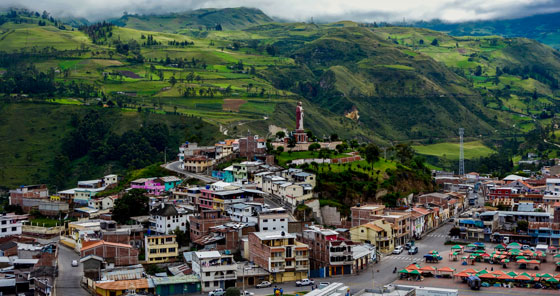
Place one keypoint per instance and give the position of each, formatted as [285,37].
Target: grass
[45,222]
[362,166]
[474,149]
[285,157]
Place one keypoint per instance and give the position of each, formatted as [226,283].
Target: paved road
[176,167]
[381,273]
[68,281]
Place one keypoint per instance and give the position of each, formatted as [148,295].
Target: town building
[378,233]
[166,218]
[362,214]
[215,269]
[11,224]
[274,220]
[280,254]
[330,254]
[160,248]
[201,223]
[118,254]
[28,192]
[544,233]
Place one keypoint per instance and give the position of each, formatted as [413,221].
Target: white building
[216,270]
[166,218]
[10,224]
[274,220]
[110,180]
[552,192]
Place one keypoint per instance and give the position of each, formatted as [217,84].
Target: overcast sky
[302,10]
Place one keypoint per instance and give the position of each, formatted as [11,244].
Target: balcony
[223,267]
[302,267]
[277,259]
[225,277]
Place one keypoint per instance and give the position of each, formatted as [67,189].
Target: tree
[280,135]
[455,231]
[340,148]
[280,149]
[314,147]
[334,137]
[478,71]
[133,203]
[404,153]
[324,153]
[292,142]
[182,236]
[435,42]
[372,153]
[522,225]
[232,291]
[172,81]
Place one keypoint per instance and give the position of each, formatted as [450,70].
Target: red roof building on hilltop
[120,254]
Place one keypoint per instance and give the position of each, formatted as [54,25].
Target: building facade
[160,248]
[279,254]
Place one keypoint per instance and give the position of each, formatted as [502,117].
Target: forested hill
[220,19]
[544,28]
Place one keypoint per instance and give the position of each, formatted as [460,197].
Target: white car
[305,282]
[217,292]
[323,284]
[398,250]
[74,263]
[264,284]
[247,293]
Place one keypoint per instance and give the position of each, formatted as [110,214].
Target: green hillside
[33,135]
[382,84]
[472,150]
[200,19]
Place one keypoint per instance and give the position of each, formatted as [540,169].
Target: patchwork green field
[473,149]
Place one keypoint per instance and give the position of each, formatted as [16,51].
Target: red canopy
[504,277]
[462,274]
[522,278]
[427,268]
[487,276]
[446,269]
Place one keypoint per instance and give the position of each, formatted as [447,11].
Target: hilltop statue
[299,117]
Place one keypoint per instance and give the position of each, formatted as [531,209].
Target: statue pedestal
[300,136]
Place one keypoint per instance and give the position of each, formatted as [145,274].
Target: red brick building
[31,191]
[280,254]
[200,225]
[119,254]
[328,250]
[365,214]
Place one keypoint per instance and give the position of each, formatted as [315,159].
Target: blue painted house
[169,182]
[176,285]
[226,175]
[544,233]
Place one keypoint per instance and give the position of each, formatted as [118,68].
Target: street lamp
[243,276]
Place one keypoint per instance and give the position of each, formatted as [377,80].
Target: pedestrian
[281,292]
[492,268]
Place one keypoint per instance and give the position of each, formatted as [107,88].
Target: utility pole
[461,153]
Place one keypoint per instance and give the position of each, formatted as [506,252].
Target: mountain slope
[544,28]
[228,18]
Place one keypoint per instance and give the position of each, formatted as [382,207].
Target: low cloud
[302,10]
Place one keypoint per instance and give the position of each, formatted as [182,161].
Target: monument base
[300,136]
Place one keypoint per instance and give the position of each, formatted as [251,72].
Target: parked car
[398,250]
[407,246]
[323,284]
[217,292]
[470,250]
[305,282]
[413,250]
[247,293]
[74,263]
[264,284]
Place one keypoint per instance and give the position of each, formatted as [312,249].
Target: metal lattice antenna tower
[461,153]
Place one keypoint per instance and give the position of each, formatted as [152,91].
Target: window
[207,274]
[3,222]
[153,251]
[265,220]
[4,229]
[207,284]
[14,228]
[171,250]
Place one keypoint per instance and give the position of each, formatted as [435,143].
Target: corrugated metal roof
[176,279]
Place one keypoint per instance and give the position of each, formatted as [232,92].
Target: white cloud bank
[300,10]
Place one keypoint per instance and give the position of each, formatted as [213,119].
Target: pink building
[153,185]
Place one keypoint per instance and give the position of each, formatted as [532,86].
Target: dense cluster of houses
[27,267]
[516,208]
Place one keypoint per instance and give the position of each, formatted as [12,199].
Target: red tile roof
[102,242]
